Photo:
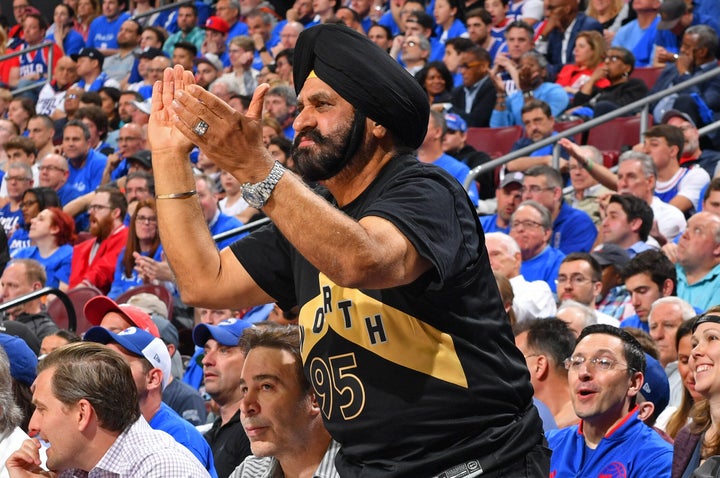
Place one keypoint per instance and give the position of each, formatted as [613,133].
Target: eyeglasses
[575,280]
[147,219]
[72,97]
[410,43]
[51,168]
[612,58]
[534,189]
[525,224]
[472,64]
[599,363]
[16,178]
[28,203]
[128,138]
[97,207]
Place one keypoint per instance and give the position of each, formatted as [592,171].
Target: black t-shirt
[229,445]
[414,379]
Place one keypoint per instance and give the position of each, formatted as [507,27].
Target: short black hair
[654,263]
[551,336]
[633,351]
[584,256]
[636,208]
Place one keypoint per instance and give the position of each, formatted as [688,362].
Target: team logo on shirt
[613,470]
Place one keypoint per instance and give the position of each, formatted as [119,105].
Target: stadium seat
[495,142]
[648,74]
[616,135]
[561,126]
[79,297]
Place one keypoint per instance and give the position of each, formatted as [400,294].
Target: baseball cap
[144,106]
[610,254]
[516,177]
[217,24]
[669,114]
[211,59]
[455,122]
[168,332]
[226,333]
[151,304]
[137,342]
[23,362]
[92,53]
[97,307]
[656,388]
[151,53]
[18,329]
[670,13]
[145,159]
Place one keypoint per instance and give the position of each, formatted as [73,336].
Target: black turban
[366,77]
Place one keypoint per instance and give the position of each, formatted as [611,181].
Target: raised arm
[597,170]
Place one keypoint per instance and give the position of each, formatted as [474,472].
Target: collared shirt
[269,467]
[704,293]
[471,93]
[142,451]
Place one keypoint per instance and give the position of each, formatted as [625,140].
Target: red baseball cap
[97,307]
[217,24]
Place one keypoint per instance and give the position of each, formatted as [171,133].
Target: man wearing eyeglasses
[580,279]
[54,174]
[606,373]
[18,179]
[94,260]
[475,99]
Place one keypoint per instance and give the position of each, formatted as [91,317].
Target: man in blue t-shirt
[104,29]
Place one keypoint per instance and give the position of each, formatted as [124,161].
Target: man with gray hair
[532,298]
[54,174]
[666,315]
[531,227]
[698,261]
[281,103]
[576,315]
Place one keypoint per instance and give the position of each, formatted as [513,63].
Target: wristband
[184,195]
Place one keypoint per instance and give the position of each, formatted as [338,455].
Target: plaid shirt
[141,451]
[615,302]
[268,467]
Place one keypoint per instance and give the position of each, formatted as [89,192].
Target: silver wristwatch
[256,195]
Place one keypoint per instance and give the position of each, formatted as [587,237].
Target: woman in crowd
[241,55]
[143,238]
[110,97]
[612,14]
[270,129]
[449,19]
[52,233]
[233,203]
[20,111]
[437,81]
[33,201]
[87,11]
[683,343]
[589,53]
[62,31]
[700,439]
[623,90]
[55,340]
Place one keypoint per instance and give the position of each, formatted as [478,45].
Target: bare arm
[598,171]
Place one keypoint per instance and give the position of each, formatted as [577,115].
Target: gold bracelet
[184,195]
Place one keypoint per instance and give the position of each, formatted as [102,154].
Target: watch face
[253,196]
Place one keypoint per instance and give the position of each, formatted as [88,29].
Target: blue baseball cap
[656,388]
[23,362]
[226,333]
[138,342]
[455,122]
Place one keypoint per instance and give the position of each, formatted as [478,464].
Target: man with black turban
[404,336]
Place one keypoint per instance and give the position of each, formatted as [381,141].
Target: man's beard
[335,150]
[102,228]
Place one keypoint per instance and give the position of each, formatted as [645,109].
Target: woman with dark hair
[87,11]
[110,97]
[437,81]
[62,31]
[449,19]
[623,90]
[143,238]
[33,201]
[52,233]
[683,344]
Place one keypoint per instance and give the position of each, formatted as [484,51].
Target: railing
[72,319]
[239,230]
[632,107]
[39,84]
[169,6]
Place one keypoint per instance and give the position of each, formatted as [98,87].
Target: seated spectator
[475,99]
[188,30]
[54,173]
[52,95]
[614,297]
[94,260]
[242,54]
[431,152]
[580,279]
[698,261]
[509,198]
[85,164]
[149,362]
[611,15]
[532,75]
[589,54]
[546,343]
[19,179]
[683,343]
[52,233]
[19,149]
[478,22]
[627,223]
[698,54]
[233,203]
[33,201]
[576,315]
[573,230]
[90,70]
[455,144]
[675,17]
[587,191]
[104,29]
[593,99]
[142,238]
[648,276]
[638,35]
[448,19]
[21,277]
[531,299]
[436,80]
[692,154]
[531,227]
[605,373]
[57,339]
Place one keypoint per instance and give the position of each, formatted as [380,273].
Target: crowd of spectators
[604,279]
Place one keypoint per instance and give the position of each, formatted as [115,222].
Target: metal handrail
[51,55]
[641,103]
[169,6]
[72,318]
[239,230]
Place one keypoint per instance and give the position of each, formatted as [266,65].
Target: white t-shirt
[532,300]
[688,185]
[671,220]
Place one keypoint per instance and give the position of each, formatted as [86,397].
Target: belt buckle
[469,469]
